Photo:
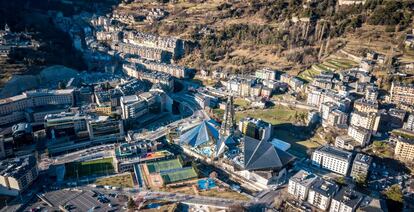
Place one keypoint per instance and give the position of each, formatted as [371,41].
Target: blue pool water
[206,184]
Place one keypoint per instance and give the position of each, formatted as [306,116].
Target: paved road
[177,197]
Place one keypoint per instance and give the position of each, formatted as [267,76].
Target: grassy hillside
[243,35]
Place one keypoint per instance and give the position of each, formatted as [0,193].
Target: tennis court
[177,175]
[156,167]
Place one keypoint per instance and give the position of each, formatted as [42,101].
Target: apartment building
[321,193]
[346,200]
[369,121]
[326,108]
[345,142]
[361,166]
[336,118]
[366,106]
[17,174]
[401,93]
[255,128]
[371,93]
[404,148]
[170,44]
[142,51]
[300,183]
[409,125]
[266,74]
[314,97]
[361,135]
[396,118]
[164,79]
[317,97]
[332,116]
[294,83]
[333,159]
[173,70]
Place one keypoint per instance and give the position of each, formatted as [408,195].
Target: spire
[227,126]
[6,28]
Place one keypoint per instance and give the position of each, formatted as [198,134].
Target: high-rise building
[369,121]
[366,106]
[360,166]
[409,125]
[404,148]
[401,93]
[256,129]
[361,135]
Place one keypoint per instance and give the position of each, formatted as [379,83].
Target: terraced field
[332,64]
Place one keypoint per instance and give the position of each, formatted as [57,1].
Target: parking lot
[79,200]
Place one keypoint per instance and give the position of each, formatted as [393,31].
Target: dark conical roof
[263,155]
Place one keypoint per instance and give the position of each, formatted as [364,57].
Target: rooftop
[336,152]
[326,188]
[36,93]
[362,158]
[129,99]
[304,178]
[261,155]
[349,197]
[16,167]
[257,122]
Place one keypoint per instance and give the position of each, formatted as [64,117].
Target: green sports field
[89,168]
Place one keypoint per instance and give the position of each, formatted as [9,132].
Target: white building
[336,118]
[409,125]
[300,183]
[345,142]
[133,107]
[266,74]
[369,121]
[361,135]
[333,159]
